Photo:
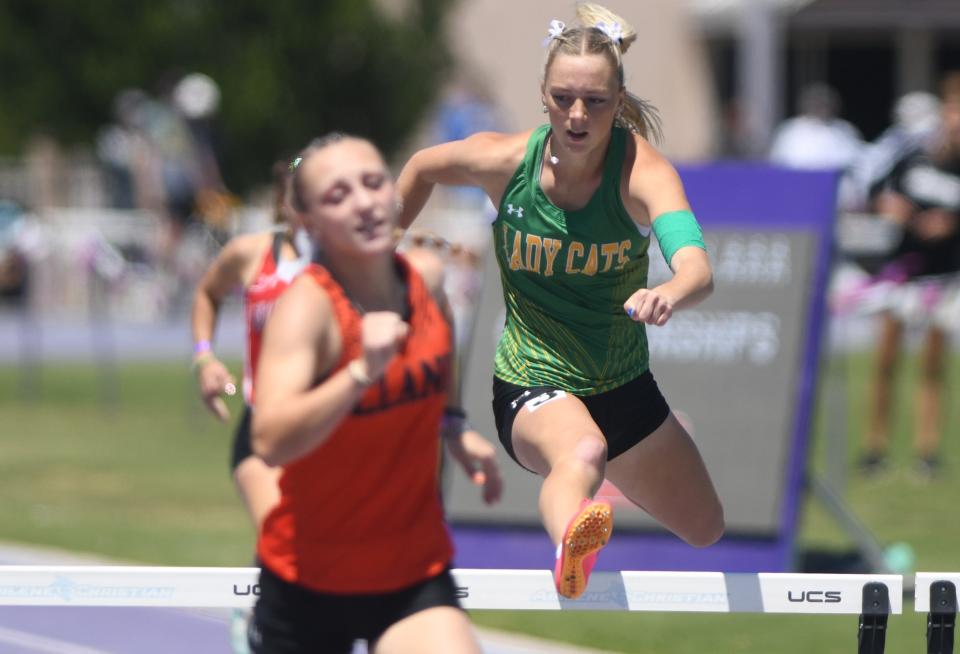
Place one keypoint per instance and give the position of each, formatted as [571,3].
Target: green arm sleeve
[675,230]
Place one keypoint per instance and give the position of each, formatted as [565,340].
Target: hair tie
[612,30]
[555,30]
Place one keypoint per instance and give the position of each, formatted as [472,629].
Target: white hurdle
[514,590]
[872,597]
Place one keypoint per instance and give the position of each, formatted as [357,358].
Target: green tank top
[566,275]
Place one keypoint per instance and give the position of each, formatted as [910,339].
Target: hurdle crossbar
[711,592]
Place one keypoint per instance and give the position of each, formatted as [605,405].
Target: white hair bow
[613,30]
[556,29]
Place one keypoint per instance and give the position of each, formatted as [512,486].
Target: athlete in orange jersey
[354,379]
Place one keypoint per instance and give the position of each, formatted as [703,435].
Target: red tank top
[271,280]
[362,513]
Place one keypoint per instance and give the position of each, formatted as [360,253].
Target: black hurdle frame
[872,632]
[942,618]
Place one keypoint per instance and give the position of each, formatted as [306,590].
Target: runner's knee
[708,529]
[587,457]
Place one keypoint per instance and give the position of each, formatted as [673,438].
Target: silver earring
[544,105]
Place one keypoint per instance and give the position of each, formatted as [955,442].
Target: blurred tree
[287,69]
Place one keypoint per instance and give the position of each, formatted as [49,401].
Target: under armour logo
[516,402]
[518,210]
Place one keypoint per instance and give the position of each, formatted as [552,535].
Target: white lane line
[44,644]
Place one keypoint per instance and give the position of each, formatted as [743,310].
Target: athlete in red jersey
[352,385]
[263,265]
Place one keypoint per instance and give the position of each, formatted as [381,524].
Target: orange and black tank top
[361,513]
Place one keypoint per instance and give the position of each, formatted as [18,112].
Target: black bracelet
[454,412]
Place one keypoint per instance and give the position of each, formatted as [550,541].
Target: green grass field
[145,479]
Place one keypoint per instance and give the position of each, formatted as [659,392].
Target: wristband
[454,417]
[359,376]
[200,347]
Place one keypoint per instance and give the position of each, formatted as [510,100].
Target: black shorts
[242,443]
[625,415]
[290,619]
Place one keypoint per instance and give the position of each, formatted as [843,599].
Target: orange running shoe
[587,533]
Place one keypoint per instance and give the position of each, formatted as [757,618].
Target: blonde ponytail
[591,15]
[641,117]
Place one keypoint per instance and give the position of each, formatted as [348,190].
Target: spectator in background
[466,109]
[122,149]
[922,193]
[916,119]
[733,137]
[817,138]
[14,267]
[175,166]
[182,167]
[196,98]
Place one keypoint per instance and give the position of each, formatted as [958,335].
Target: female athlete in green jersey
[577,199]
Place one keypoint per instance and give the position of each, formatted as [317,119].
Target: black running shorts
[242,443]
[625,415]
[291,619]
